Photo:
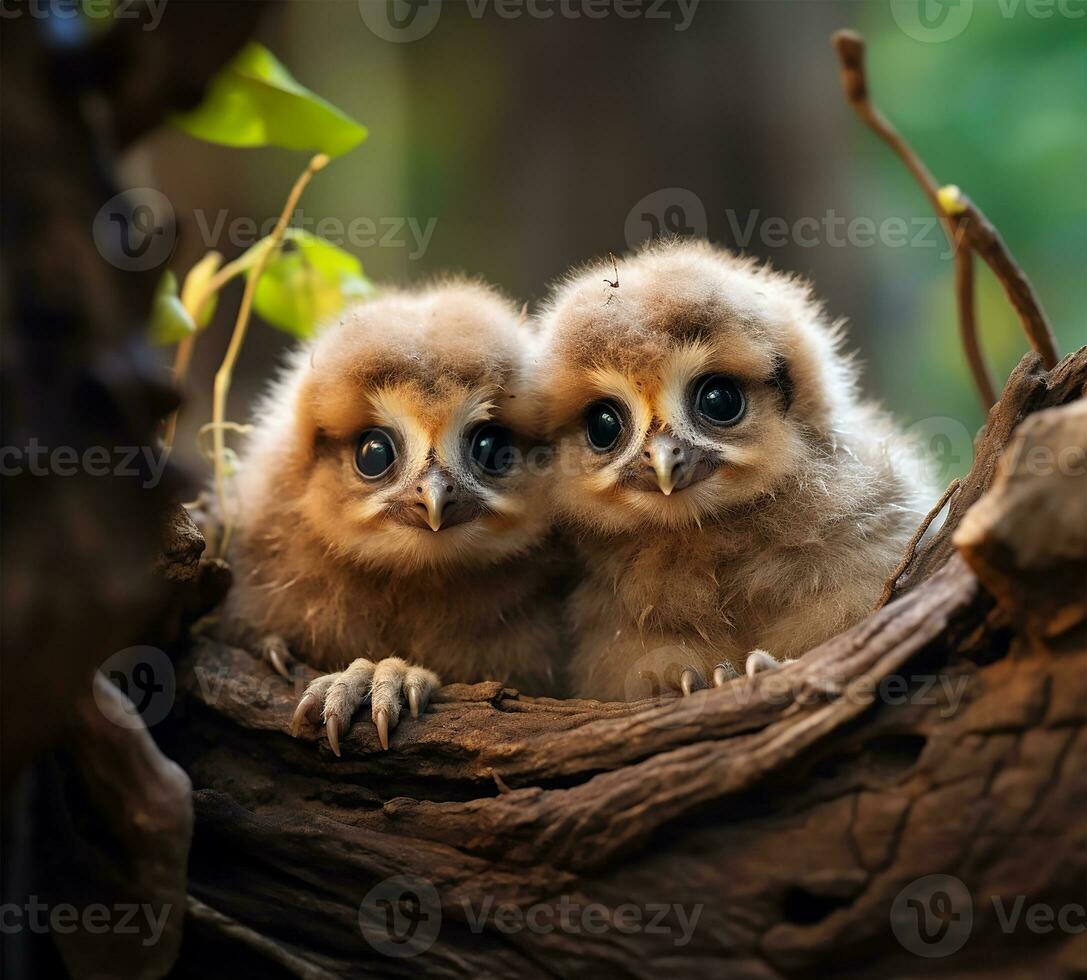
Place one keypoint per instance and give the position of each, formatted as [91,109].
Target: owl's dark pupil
[375,453]
[603,425]
[719,400]
[492,449]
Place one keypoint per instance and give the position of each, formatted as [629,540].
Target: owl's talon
[689,681]
[381,723]
[280,667]
[332,730]
[759,661]
[273,648]
[301,713]
[413,701]
[723,673]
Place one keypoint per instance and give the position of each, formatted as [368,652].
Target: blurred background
[513,140]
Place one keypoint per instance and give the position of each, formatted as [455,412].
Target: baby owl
[734,502]
[391,518]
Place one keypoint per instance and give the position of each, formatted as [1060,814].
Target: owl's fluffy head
[700,383]
[401,438]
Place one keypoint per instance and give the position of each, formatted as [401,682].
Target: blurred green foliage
[1001,110]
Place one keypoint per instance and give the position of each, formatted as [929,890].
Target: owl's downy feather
[344,565]
[786,521]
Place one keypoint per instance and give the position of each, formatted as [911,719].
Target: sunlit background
[513,147]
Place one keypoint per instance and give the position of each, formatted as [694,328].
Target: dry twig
[850,48]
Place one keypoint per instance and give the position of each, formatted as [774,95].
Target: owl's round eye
[720,401]
[603,425]
[375,453]
[492,449]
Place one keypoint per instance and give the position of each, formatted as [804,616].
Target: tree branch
[850,48]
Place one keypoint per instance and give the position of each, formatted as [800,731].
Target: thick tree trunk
[779,826]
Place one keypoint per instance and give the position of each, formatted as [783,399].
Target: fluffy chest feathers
[671,584]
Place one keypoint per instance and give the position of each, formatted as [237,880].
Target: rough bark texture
[785,821]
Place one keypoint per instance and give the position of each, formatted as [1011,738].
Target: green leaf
[306,282]
[254,101]
[170,321]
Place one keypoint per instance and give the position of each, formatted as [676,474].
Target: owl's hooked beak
[673,461]
[438,501]
[435,490]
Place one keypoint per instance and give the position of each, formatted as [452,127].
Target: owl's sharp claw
[381,723]
[332,729]
[278,664]
[760,660]
[413,701]
[301,712]
[274,649]
[689,681]
[723,673]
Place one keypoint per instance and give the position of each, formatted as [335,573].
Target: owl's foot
[690,679]
[334,698]
[760,660]
[275,652]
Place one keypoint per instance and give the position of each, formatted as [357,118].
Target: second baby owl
[728,490]
[390,521]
